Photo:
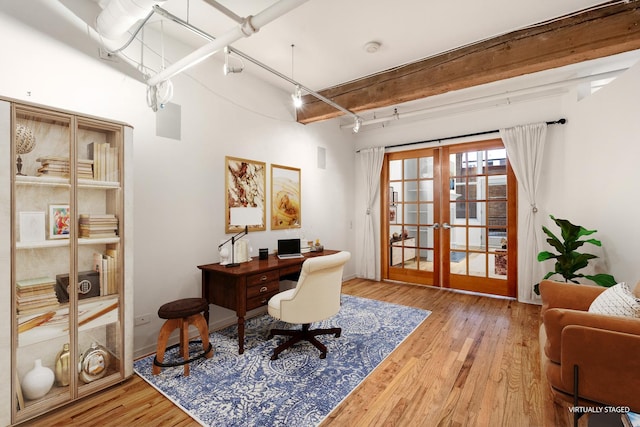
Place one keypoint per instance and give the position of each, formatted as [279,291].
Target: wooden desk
[249,285]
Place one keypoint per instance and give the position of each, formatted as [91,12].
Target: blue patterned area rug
[298,389]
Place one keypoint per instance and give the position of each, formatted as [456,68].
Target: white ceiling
[329,35]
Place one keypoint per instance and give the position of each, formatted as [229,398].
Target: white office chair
[316,297]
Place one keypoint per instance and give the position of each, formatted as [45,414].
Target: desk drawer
[261,278]
[292,269]
[259,300]
[263,288]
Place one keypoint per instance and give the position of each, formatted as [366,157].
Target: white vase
[38,381]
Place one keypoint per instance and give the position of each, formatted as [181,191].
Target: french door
[450,218]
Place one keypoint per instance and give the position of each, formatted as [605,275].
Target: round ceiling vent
[372,47]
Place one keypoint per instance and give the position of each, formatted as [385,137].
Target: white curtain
[525,147]
[371,164]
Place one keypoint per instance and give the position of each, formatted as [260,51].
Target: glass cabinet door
[43,257]
[99,202]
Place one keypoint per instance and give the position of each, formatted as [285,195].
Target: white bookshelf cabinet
[65,281]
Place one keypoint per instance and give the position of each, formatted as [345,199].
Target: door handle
[436,226]
[446,226]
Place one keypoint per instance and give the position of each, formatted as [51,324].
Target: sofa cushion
[618,300]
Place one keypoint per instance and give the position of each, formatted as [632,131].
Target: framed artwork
[32,228]
[59,221]
[393,214]
[285,197]
[244,188]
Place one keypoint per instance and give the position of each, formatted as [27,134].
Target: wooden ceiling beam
[587,35]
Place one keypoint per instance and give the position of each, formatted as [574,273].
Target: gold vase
[62,366]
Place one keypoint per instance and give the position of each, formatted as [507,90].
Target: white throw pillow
[616,301]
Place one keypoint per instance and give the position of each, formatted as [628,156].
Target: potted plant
[568,259]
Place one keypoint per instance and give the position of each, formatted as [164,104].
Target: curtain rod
[486,132]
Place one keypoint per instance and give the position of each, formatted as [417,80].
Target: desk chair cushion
[274,302]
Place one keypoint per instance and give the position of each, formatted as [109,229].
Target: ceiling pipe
[224,11]
[117,16]
[488,98]
[250,25]
[166,14]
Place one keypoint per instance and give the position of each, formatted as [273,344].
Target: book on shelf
[112,284]
[105,161]
[106,265]
[35,294]
[98,225]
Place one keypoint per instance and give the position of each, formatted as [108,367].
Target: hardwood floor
[473,362]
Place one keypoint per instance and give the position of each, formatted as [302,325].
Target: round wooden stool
[180,314]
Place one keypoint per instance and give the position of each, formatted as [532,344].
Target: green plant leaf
[602,279]
[545,255]
[594,242]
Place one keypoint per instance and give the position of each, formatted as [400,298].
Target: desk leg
[240,335]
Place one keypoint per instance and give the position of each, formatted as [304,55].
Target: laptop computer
[289,248]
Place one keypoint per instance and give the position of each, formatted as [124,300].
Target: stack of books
[85,169]
[105,161]
[36,294]
[96,226]
[59,166]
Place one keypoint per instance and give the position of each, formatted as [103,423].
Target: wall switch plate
[142,319]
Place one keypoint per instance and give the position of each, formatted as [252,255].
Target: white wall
[590,174]
[601,173]
[179,185]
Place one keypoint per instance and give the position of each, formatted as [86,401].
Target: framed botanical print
[244,188]
[285,197]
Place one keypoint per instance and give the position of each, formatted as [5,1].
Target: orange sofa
[605,348]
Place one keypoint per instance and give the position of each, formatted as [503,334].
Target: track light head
[228,69]
[356,124]
[297,97]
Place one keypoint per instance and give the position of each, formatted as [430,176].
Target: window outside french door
[451,218]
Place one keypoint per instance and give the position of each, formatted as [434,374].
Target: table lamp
[241,217]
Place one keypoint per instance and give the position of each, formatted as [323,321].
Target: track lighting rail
[199,32]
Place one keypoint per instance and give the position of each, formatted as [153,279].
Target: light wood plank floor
[473,362]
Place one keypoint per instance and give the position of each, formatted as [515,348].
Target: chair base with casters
[180,314]
[304,334]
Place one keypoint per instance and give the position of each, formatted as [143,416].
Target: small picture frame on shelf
[59,221]
[393,215]
[32,228]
